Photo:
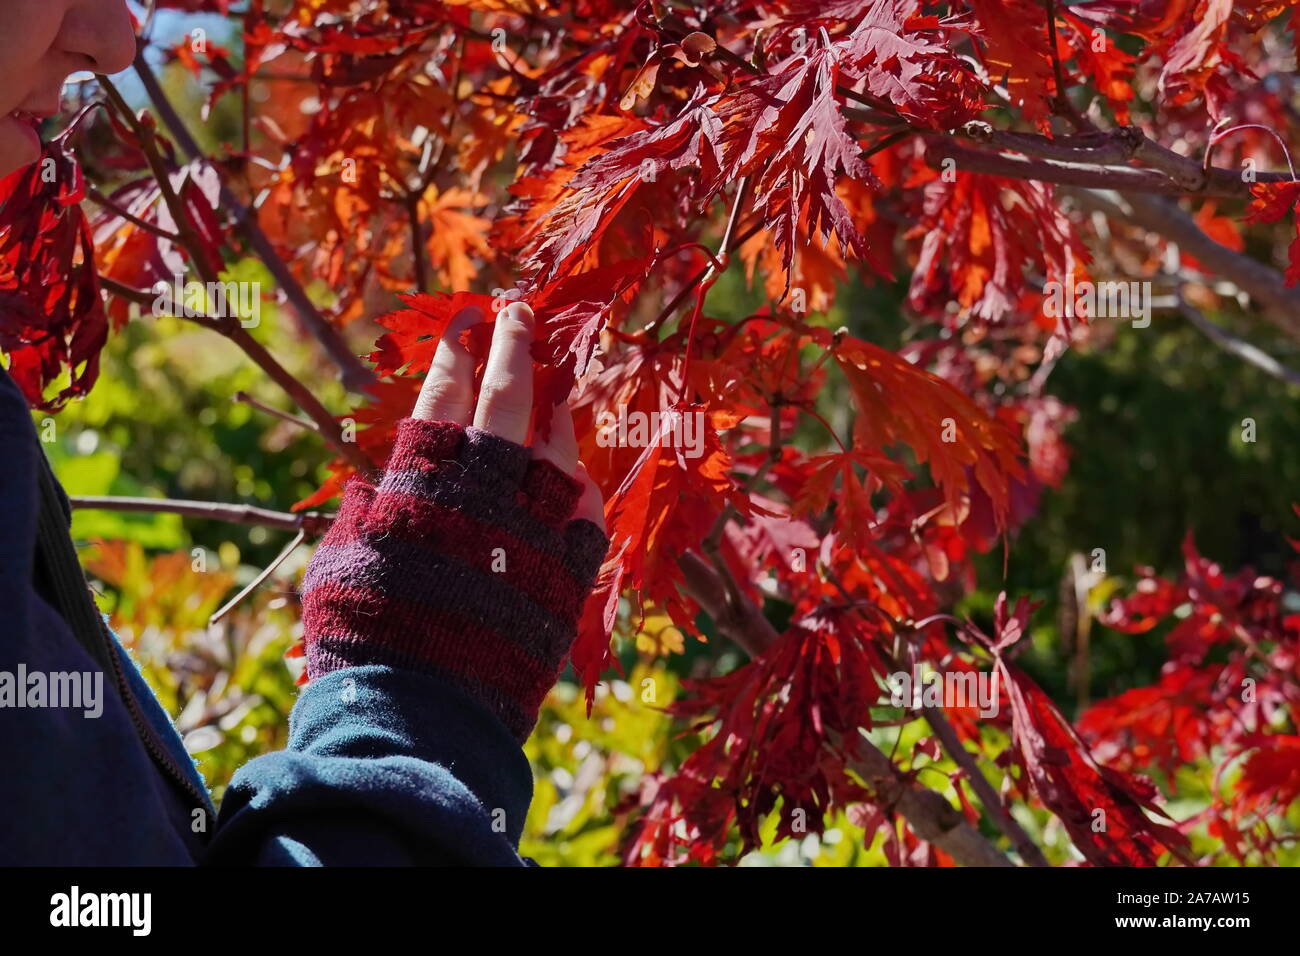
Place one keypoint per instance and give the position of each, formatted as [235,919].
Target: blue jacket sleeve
[364,781]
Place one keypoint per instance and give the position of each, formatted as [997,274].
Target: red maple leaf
[901,59]
[1271,201]
[639,165]
[1270,779]
[980,235]
[414,332]
[786,130]
[900,403]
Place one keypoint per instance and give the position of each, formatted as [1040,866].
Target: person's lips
[39,112]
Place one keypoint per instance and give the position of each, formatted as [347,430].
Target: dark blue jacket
[383,766]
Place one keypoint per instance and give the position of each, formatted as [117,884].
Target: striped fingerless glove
[463,563]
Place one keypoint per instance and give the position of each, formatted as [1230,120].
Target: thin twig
[139,296]
[1063,104]
[247,399]
[95,196]
[685,292]
[326,424]
[717,266]
[265,573]
[887,141]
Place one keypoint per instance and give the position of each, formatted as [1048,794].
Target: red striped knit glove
[464,563]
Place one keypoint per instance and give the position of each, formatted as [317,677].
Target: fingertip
[470,315]
[448,390]
[518,312]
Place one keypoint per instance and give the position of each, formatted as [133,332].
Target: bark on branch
[1238,347]
[312,523]
[1078,173]
[1097,159]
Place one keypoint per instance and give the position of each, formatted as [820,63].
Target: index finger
[448,390]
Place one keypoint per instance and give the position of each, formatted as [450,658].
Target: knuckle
[504,397]
[444,392]
[514,341]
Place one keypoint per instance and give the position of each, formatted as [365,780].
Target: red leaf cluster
[52,320]
[1233,674]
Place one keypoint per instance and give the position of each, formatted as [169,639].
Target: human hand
[503,405]
[472,559]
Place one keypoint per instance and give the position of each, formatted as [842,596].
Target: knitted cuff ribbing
[464,562]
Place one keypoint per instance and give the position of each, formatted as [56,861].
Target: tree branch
[1159,215]
[1238,347]
[993,804]
[1001,814]
[744,624]
[228,327]
[1099,156]
[412,204]
[312,523]
[931,817]
[1125,178]
[353,373]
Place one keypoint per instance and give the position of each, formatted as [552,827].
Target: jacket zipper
[161,756]
[72,595]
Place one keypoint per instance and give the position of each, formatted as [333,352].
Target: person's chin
[19,145]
